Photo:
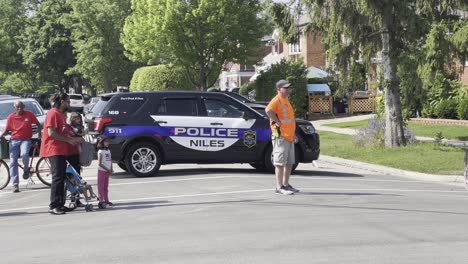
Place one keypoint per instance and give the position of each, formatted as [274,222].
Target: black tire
[43,171]
[268,159]
[143,159]
[121,164]
[4,174]
[297,156]
[259,166]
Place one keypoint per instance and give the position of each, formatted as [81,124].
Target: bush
[246,88]
[462,108]
[160,77]
[446,109]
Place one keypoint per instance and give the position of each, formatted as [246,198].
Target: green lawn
[426,157]
[448,131]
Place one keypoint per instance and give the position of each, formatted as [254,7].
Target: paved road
[230,214]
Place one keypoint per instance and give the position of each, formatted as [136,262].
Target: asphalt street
[345,213]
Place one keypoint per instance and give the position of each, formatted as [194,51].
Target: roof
[319,87]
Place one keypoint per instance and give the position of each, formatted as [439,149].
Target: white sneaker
[292,189]
[284,191]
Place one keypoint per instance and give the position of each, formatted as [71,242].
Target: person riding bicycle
[19,123]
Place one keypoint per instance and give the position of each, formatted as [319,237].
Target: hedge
[160,77]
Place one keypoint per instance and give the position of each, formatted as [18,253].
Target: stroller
[78,189]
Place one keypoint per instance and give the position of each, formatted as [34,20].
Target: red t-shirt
[21,125]
[49,145]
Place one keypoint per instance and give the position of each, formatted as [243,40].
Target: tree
[358,30]
[46,43]
[96,27]
[200,35]
[13,19]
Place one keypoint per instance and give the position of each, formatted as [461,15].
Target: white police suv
[147,129]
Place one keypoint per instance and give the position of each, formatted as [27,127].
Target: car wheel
[297,156]
[268,160]
[258,165]
[122,165]
[143,159]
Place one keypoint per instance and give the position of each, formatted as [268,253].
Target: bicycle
[42,169]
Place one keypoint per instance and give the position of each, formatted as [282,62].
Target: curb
[452,180]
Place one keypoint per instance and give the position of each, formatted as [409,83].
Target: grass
[448,131]
[426,157]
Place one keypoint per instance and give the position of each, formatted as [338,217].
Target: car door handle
[216,124]
[160,122]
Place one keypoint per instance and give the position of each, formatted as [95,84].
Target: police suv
[147,129]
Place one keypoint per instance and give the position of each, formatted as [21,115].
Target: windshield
[76,97]
[7,108]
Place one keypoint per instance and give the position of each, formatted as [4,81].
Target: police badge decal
[250,138]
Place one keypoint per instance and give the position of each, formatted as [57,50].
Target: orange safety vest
[283,109]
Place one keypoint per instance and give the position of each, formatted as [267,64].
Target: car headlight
[307,129]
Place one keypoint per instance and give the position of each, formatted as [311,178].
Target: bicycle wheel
[43,171]
[4,174]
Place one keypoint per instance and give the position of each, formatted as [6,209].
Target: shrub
[374,134]
[446,108]
[160,77]
[462,108]
[246,88]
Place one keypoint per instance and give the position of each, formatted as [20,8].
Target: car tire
[268,159]
[122,165]
[143,159]
[259,166]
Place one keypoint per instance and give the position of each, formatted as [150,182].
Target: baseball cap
[282,84]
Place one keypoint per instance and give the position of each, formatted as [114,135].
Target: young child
[104,171]
[81,186]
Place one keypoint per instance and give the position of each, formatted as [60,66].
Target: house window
[295,48]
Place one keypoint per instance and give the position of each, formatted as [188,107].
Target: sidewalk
[321,125]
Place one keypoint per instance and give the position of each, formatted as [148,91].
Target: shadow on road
[227,171]
[165,203]
[191,172]
[324,174]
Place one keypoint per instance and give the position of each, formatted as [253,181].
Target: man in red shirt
[54,146]
[19,123]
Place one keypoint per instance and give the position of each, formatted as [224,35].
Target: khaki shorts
[283,152]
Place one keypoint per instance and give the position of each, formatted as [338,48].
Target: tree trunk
[108,82]
[394,136]
[203,78]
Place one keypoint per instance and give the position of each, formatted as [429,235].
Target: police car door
[180,122]
[231,135]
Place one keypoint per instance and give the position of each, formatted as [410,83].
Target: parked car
[76,102]
[148,129]
[87,107]
[30,104]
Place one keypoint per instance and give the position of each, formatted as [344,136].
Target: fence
[361,104]
[320,104]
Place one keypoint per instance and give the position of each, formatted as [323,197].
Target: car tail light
[100,122]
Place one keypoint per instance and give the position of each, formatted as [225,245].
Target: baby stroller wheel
[89,207]
[72,205]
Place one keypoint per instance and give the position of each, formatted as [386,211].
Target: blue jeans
[17,147]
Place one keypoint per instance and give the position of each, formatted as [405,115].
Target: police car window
[178,107]
[126,105]
[216,108]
